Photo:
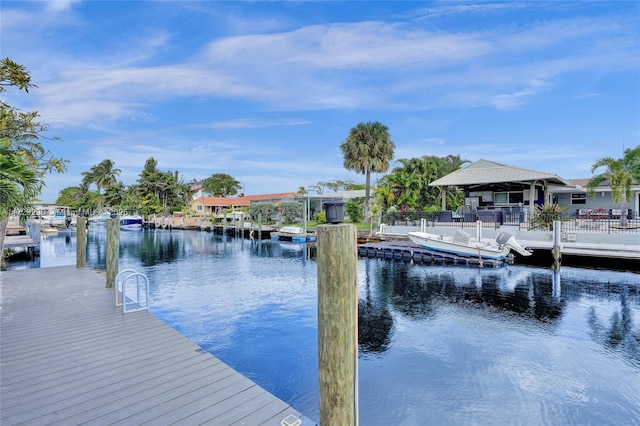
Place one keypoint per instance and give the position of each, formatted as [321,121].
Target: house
[576,200]
[507,189]
[488,185]
[201,205]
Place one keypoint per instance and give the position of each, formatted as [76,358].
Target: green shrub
[547,214]
[320,217]
[354,210]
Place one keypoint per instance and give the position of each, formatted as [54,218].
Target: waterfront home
[493,189]
[201,205]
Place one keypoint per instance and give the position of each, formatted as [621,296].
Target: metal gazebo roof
[489,172]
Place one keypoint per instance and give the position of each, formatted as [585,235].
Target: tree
[104,175]
[17,179]
[24,160]
[221,185]
[368,149]
[408,184]
[620,174]
[160,191]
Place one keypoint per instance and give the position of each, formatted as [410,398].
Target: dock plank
[68,356]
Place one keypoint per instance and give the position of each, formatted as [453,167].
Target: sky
[268,91]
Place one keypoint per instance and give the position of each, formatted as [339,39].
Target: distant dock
[69,356]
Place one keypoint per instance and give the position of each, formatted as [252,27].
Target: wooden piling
[557,245]
[113,250]
[337,324]
[81,242]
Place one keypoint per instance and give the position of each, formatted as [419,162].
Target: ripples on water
[438,344]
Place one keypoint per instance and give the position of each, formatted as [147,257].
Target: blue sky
[267,91]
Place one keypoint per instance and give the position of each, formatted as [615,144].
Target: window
[500,198]
[508,198]
[578,198]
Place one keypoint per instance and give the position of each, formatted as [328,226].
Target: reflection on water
[438,344]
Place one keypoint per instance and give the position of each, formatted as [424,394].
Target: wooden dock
[68,356]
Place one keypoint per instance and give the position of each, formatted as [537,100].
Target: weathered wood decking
[69,357]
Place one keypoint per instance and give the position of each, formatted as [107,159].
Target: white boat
[130,222]
[100,218]
[292,233]
[462,245]
[58,217]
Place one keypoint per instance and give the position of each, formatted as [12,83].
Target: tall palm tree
[367,149]
[620,174]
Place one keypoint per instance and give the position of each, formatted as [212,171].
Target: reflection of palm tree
[374,322]
[620,334]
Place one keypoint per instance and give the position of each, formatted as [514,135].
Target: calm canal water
[438,344]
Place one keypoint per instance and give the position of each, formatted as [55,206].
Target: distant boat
[461,245]
[100,218]
[57,218]
[292,233]
[131,222]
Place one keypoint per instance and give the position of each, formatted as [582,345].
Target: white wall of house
[580,200]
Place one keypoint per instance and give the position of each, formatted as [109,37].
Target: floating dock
[69,356]
[409,252]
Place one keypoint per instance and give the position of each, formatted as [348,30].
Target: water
[438,344]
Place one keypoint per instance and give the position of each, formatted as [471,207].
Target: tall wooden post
[113,250]
[337,324]
[81,242]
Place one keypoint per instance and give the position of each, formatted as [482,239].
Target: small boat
[131,222]
[461,245]
[100,218]
[292,233]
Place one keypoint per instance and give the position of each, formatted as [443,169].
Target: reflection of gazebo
[489,185]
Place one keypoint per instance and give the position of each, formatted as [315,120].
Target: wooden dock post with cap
[113,250]
[337,324]
[81,242]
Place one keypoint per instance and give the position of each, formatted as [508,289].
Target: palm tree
[367,149]
[19,183]
[620,174]
[103,175]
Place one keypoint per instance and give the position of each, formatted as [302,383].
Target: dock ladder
[132,291]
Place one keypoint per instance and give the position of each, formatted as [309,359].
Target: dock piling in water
[337,324]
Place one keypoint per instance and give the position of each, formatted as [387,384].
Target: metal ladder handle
[118,287]
[124,287]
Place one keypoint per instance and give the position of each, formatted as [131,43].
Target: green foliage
[407,186]
[354,209]
[149,205]
[17,179]
[545,215]
[25,160]
[320,217]
[290,210]
[221,185]
[264,209]
[620,174]
[168,189]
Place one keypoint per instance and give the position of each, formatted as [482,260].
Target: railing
[602,222]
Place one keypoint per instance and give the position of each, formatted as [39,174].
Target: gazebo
[489,185]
